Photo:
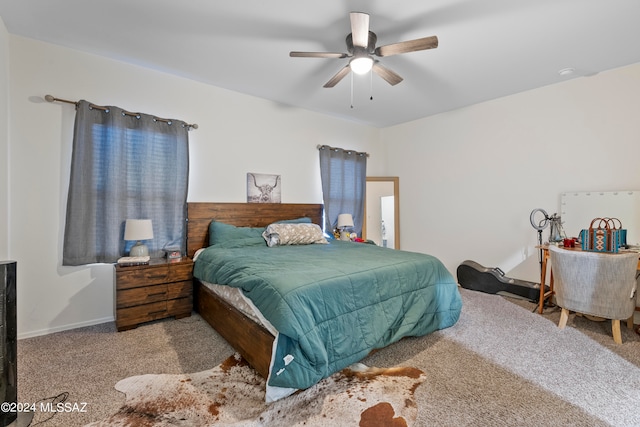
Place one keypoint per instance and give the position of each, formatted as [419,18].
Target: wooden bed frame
[248,338]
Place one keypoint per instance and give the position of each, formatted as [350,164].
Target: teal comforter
[332,304]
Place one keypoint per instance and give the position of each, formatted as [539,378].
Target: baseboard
[65,327]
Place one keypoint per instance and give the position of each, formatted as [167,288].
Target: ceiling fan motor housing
[371,47]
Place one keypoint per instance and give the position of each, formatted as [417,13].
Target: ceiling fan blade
[391,77]
[408,46]
[317,55]
[359,29]
[339,76]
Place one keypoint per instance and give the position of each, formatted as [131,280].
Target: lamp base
[139,249]
[344,235]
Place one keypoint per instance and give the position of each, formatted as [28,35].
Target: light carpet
[567,363]
[500,365]
[232,394]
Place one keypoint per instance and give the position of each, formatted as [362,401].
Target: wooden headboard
[200,214]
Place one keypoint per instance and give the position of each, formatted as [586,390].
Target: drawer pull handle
[153,313]
[157,294]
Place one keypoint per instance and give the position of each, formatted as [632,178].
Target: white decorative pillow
[293,234]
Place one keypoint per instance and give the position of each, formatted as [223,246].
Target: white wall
[470,178]
[237,134]
[4,142]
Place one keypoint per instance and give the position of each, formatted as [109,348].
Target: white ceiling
[487,48]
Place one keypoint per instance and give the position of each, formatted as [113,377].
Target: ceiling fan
[361,48]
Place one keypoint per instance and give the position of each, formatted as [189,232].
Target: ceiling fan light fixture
[361,64]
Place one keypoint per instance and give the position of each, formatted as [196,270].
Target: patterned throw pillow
[293,234]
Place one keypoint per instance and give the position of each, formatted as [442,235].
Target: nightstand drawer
[180,307]
[132,316]
[181,271]
[153,274]
[179,289]
[142,295]
[133,277]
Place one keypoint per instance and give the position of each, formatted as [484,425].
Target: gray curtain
[124,166]
[344,176]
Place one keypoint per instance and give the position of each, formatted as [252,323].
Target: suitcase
[475,277]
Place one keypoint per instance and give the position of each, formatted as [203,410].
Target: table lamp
[138,229]
[345,221]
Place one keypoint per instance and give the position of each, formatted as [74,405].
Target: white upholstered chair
[596,284]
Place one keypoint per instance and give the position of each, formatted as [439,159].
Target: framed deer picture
[263,188]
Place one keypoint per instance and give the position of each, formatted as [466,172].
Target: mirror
[382,211]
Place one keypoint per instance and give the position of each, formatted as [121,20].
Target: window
[343,174]
[124,166]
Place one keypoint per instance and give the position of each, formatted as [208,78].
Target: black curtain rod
[50,98]
[323,147]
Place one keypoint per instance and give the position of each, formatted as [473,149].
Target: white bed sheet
[236,298]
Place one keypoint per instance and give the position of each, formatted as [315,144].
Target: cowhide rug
[232,394]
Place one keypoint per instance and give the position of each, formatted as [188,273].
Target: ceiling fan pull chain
[371,85]
[351,89]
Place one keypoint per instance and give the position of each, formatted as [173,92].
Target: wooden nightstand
[163,288]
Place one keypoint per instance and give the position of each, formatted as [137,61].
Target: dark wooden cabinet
[160,289]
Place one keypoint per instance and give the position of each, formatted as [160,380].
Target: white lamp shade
[138,229]
[345,220]
[361,64]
